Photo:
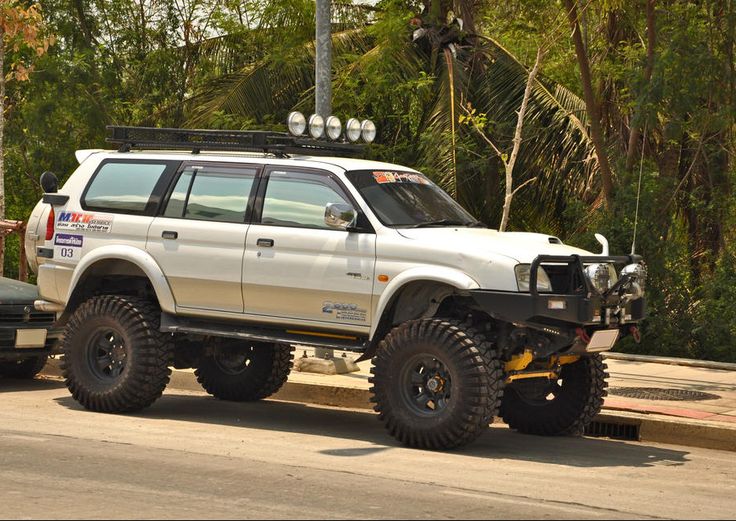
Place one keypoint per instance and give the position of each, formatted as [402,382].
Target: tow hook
[636,334]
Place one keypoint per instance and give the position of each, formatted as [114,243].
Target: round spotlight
[368,131]
[297,123]
[352,130]
[316,126]
[333,127]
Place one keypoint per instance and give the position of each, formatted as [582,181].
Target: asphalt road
[191,456]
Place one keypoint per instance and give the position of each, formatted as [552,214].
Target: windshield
[408,199]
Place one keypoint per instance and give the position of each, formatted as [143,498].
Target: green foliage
[245,64]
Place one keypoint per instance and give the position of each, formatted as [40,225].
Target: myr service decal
[79,221]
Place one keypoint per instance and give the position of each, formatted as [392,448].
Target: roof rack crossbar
[196,140]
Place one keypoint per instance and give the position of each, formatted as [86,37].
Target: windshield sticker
[84,222]
[399,178]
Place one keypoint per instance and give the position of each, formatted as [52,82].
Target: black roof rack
[277,143]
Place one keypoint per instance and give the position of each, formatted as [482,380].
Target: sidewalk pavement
[703,415]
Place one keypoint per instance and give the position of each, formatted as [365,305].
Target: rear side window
[125,187]
[212,193]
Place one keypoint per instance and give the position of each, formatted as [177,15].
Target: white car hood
[523,247]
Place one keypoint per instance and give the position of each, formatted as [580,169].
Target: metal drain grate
[616,431]
[653,393]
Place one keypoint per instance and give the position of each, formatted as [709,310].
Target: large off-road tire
[23,369]
[437,384]
[557,408]
[115,360]
[242,372]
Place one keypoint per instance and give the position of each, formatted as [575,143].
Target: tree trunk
[635,132]
[591,105]
[2,148]
[509,196]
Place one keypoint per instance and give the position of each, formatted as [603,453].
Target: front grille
[7,338]
[565,278]
[11,315]
[21,318]
[14,317]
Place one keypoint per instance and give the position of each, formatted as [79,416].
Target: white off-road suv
[224,251]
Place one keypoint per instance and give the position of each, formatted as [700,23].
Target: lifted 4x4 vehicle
[222,255]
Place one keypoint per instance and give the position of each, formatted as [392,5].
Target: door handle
[170,235]
[265,243]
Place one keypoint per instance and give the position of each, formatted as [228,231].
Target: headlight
[523,277]
[638,270]
[316,126]
[352,130]
[333,127]
[602,276]
[638,280]
[297,123]
[368,130]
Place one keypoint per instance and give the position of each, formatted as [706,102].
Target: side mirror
[49,182]
[340,216]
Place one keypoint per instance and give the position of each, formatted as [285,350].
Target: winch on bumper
[575,313]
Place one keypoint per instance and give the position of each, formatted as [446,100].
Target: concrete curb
[652,428]
[705,364]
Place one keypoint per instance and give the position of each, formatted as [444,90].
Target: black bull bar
[565,309]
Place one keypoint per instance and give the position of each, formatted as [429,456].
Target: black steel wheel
[437,384]
[426,385]
[23,369]
[114,357]
[557,407]
[241,372]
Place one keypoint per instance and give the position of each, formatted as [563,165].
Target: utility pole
[323,83]
[323,65]
[324,360]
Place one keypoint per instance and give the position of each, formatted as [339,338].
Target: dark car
[26,335]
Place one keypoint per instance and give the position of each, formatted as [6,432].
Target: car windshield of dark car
[409,199]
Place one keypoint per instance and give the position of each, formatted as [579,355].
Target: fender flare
[135,256]
[451,277]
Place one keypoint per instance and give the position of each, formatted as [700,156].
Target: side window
[212,194]
[123,187]
[298,199]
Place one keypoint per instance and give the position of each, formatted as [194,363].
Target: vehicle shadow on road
[12,385]
[498,443]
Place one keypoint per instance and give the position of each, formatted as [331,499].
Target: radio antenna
[638,191]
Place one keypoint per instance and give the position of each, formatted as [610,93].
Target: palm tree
[416,78]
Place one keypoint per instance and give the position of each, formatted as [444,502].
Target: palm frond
[272,85]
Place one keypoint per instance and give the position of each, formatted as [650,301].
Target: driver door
[296,267]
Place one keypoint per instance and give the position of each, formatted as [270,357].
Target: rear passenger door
[199,238]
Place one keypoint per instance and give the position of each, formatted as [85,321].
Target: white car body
[216,270]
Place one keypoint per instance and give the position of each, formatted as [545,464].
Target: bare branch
[483,134]
[510,192]
[522,185]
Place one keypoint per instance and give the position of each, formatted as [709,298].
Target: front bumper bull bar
[581,305]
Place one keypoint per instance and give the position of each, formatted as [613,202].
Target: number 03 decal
[65,253]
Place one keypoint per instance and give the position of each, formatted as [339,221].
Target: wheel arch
[122,264]
[415,293]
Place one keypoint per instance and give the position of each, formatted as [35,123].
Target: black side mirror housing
[49,182]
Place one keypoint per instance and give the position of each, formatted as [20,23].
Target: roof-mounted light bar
[195,140]
[332,128]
